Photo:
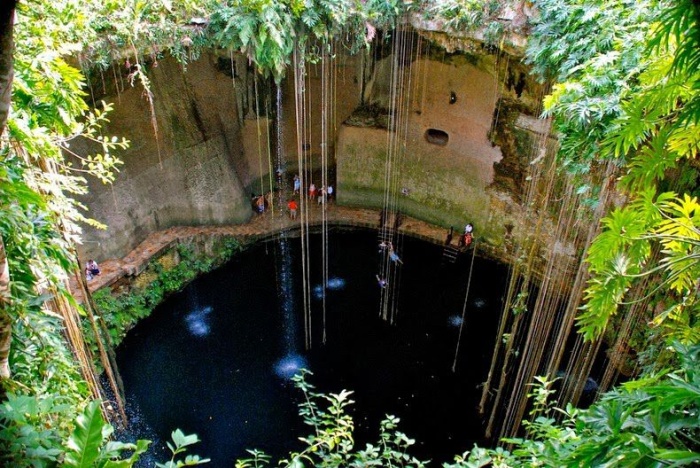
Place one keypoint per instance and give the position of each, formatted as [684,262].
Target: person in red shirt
[292,205]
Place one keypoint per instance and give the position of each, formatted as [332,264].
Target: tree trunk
[5,319]
[7,13]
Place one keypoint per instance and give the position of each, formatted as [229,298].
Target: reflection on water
[454,320]
[289,366]
[334,284]
[198,321]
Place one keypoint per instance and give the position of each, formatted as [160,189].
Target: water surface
[216,358]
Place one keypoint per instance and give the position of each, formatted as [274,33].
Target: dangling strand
[259,134]
[464,308]
[385,271]
[303,201]
[325,110]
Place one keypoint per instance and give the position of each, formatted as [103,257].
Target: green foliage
[267,31]
[591,49]
[122,312]
[179,447]
[38,218]
[332,444]
[654,130]
[463,15]
[142,30]
[30,438]
[27,437]
[89,445]
[653,421]
[629,96]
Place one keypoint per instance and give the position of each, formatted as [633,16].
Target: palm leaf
[87,438]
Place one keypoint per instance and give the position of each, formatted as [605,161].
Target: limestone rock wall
[217,142]
[189,175]
[448,181]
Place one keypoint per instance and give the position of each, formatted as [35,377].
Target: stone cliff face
[448,161]
[212,150]
[190,175]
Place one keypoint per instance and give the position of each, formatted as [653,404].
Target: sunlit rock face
[188,175]
[202,149]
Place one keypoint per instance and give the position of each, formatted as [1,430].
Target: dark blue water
[214,358]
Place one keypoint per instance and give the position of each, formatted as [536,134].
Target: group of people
[465,240]
[389,248]
[321,195]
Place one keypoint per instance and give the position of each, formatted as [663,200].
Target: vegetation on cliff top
[622,95]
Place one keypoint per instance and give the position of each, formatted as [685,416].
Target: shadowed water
[216,358]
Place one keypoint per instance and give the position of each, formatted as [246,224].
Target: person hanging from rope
[292,205]
[381,282]
[383,246]
[393,256]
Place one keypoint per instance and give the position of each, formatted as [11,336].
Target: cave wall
[344,93]
[188,176]
[447,184]
[212,149]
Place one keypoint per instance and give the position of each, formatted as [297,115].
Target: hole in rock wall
[437,137]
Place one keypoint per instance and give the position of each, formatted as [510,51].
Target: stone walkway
[259,227]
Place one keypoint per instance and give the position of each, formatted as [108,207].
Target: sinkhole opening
[217,357]
[437,137]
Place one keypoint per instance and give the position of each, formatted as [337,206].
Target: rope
[464,308]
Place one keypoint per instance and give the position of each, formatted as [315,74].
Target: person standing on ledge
[297,184]
[466,239]
[448,239]
[292,205]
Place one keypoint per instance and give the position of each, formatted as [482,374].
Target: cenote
[215,358]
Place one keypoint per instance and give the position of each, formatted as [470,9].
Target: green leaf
[182,440]
[87,438]
[680,457]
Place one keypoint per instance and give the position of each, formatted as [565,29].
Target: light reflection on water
[334,284]
[198,321]
[290,365]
